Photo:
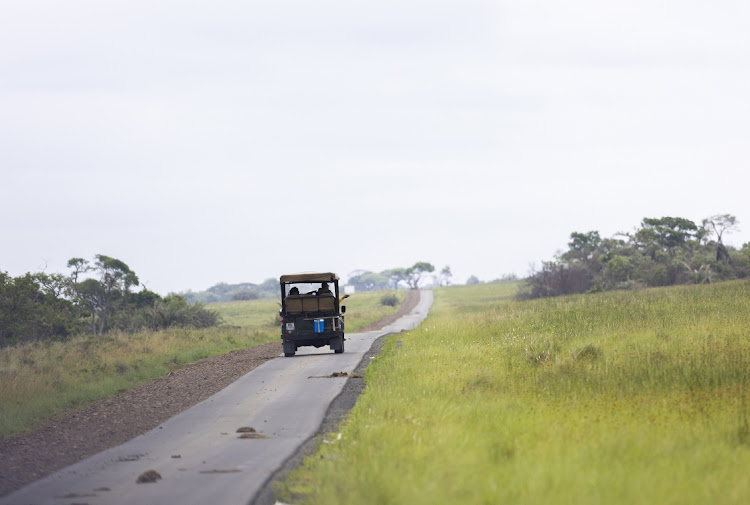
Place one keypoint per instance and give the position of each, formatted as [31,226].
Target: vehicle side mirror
[343,309]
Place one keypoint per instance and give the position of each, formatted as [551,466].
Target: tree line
[362,280]
[395,278]
[224,292]
[95,297]
[661,252]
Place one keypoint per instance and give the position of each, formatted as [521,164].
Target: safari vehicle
[311,313]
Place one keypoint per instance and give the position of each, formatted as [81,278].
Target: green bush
[246,294]
[391,300]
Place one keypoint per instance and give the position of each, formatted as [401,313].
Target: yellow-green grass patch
[621,397]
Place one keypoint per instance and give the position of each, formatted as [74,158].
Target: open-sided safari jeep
[311,313]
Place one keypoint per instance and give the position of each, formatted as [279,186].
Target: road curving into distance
[199,454]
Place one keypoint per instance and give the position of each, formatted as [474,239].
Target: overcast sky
[209,141]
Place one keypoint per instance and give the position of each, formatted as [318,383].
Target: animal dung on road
[76,495]
[130,457]
[336,374]
[252,435]
[148,476]
[249,432]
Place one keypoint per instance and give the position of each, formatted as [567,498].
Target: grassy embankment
[40,380]
[621,397]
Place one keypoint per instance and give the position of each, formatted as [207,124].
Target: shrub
[390,300]
[245,294]
[175,311]
[557,279]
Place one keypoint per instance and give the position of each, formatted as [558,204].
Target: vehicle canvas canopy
[308,283]
[297,290]
[309,277]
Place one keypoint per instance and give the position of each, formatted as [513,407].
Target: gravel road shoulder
[115,420]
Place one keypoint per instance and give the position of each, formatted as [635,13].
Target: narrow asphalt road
[199,453]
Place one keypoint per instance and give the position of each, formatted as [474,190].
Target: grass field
[621,397]
[40,380]
[361,309]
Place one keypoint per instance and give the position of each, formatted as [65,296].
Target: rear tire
[289,349]
[338,349]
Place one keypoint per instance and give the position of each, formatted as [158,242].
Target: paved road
[199,454]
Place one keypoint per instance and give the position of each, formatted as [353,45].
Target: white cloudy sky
[207,141]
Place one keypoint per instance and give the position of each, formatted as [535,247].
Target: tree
[369,281]
[582,246]
[269,288]
[669,233]
[395,276]
[415,272]
[472,280]
[444,279]
[104,294]
[33,307]
[718,225]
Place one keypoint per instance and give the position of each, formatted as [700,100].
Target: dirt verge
[107,423]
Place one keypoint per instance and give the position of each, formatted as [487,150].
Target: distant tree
[582,246]
[269,288]
[190,295]
[104,293]
[44,306]
[245,294]
[444,279]
[415,273]
[742,261]
[143,298]
[224,292]
[662,252]
[472,280]
[669,233]
[395,276]
[220,289]
[369,281]
[718,225]
[34,307]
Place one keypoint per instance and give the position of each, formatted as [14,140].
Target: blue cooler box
[319,325]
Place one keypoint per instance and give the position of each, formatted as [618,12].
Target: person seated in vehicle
[294,291]
[324,289]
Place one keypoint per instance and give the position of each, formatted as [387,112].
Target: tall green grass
[621,397]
